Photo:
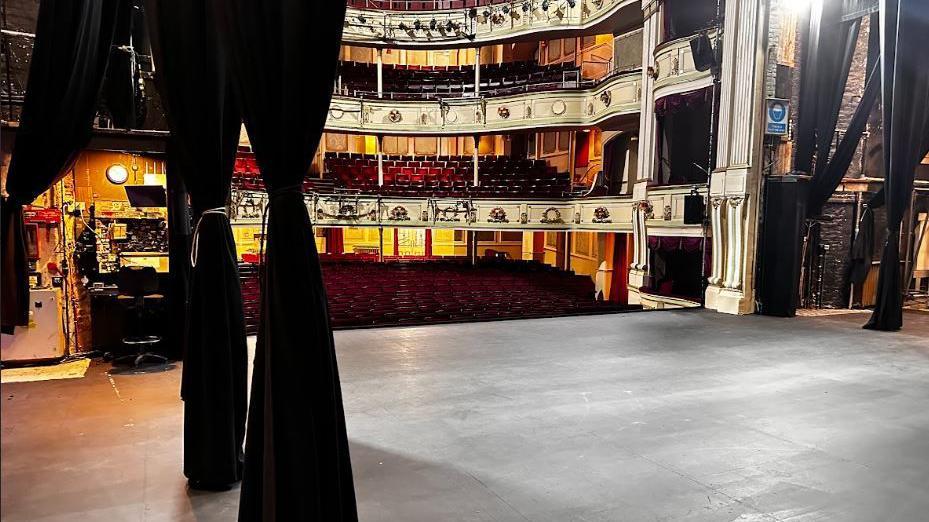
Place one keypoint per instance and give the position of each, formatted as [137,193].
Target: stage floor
[679,415]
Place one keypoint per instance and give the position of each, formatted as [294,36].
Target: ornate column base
[729,301]
[636,281]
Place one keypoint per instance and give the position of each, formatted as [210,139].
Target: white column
[735,187]
[380,160]
[379,57]
[477,142]
[651,32]
[718,250]
[477,71]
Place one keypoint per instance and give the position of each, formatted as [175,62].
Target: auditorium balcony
[463,23]
[400,82]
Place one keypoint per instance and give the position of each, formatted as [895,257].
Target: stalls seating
[405,292]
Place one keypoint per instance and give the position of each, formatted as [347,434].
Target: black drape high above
[905,112]
[284,55]
[825,182]
[69,59]
[196,90]
[828,49]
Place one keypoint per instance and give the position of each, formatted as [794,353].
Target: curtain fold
[283,55]
[196,90]
[824,183]
[69,59]
[905,113]
[828,49]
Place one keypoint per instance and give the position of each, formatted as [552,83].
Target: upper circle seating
[421,5]
[428,81]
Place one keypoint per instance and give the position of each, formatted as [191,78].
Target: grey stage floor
[645,416]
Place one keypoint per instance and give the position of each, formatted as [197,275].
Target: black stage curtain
[905,112]
[828,49]
[284,56]
[69,58]
[204,121]
[824,183]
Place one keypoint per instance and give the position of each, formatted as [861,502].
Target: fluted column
[736,182]
[718,240]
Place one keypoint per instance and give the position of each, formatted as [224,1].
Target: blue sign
[777,112]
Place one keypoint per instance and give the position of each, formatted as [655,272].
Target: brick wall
[836,241]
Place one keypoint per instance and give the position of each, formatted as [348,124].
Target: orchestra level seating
[417,81]
[402,292]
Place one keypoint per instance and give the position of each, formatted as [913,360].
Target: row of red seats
[359,78]
[499,176]
[366,293]
[421,5]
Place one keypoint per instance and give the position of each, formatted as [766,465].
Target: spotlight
[472,13]
[525,7]
[417,25]
[506,9]
[449,27]
[433,23]
[545,4]
[572,3]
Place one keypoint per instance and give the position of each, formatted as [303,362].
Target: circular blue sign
[777,111]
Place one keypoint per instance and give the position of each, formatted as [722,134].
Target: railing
[461,22]
[571,80]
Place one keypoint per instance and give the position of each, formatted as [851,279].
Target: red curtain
[335,241]
[428,251]
[619,280]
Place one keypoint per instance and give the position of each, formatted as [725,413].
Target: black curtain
[828,47]
[68,63]
[824,183]
[283,55]
[192,77]
[905,112]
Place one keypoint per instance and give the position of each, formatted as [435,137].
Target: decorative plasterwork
[674,68]
[602,105]
[540,19]
[604,214]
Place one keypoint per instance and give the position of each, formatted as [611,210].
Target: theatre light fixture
[117,174]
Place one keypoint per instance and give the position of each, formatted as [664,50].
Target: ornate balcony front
[607,103]
[462,26]
[674,68]
[363,210]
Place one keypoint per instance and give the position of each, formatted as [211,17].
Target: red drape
[335,241]
[428,251]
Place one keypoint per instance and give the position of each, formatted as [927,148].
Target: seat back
[137,281]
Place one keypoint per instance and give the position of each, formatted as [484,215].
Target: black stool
[138,286]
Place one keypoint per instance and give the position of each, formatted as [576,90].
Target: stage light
[472,13]
[433,24]
[525,7]
[572,3]
[117,174]
[506,9]
[545,4]
[417,25]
